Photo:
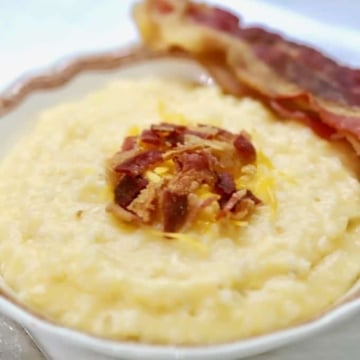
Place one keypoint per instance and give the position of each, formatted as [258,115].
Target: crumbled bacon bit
[190,181]
[128,189]
[173,153]
[175,210]
[144,204]
[231,204]
[217,133]
[245,205]
[240,205]
[166,128]
[245,148]
[150,137]
[200,134]
[225,187]
[129,143]
[170,134]
[194,158]
[140,162]
[197,161]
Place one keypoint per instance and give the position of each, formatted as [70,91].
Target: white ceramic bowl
[20,105]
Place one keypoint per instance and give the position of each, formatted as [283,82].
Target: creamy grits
[64,256]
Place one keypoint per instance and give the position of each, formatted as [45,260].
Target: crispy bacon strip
[139,162]
[193,170]
[293,79]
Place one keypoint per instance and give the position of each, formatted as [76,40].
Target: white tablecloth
[35,33]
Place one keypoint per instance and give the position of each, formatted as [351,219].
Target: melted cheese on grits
[63,255]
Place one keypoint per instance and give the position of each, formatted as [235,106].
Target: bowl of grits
[72,270]
[147,214]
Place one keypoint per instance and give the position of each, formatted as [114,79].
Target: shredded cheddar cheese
[134,130]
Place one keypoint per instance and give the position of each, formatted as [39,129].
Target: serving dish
[23,103]
[68,80]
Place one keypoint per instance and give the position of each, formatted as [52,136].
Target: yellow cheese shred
[134,131]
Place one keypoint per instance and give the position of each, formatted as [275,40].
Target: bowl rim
[58,75]
[65,69]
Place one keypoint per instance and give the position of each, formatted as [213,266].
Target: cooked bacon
[118,158]
[163,129]
[222,152]
[139,162]
[199,134]
[213,145]
[144,205]
[213,17]
[194,169]
[292,79]
[225,187]
[240,205]
[210,132]
[129,143]
[128,189]
[309,118]
[170,135]
[144,196]
[245,149]
[190,181]
[164,134]
[150,137]
[305,67]
[194,161]
[174,210]
[224,135]
[171,154]
[121,156]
